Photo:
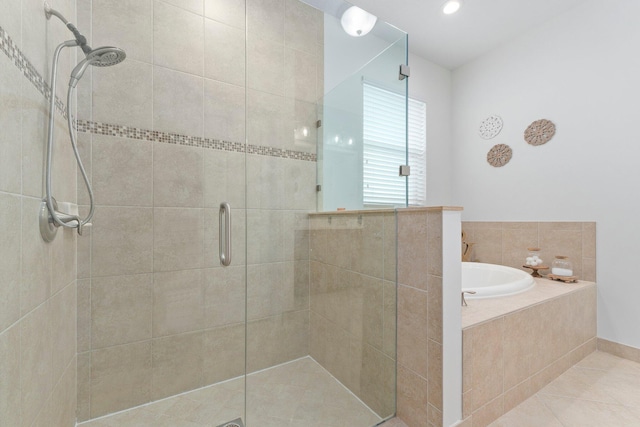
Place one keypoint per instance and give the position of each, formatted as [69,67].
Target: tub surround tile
[506,243]
[488,413]
[488,356]
[522,346]
[517,394]
[478,311]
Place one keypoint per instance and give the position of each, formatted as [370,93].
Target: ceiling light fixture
[357,22]
[451,7]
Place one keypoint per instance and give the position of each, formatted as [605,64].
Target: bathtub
[492,281]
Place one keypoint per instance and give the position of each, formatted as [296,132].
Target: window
[384,148]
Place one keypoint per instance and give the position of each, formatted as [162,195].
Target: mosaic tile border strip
[16,56]
[86,126]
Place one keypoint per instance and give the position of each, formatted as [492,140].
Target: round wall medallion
[499,155]
[490,127]
[540,132]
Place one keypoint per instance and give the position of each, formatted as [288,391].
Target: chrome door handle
[225,234]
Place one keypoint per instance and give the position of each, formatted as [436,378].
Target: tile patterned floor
[300,393]
[602,390]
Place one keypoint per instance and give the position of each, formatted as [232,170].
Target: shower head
[106,56]
[101,57]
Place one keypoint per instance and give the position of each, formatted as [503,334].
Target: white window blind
[384,148]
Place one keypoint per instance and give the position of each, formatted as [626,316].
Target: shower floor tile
[300,393]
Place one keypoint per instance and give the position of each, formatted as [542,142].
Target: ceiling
[479,26]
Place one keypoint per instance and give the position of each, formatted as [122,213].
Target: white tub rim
[521,282]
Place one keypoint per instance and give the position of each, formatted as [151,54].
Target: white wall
[431,84]
[581,70]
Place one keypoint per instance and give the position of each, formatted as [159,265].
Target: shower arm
[82,40]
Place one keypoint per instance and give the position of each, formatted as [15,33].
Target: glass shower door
[320,288]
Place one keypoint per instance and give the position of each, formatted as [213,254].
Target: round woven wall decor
[540,132]
[499,155]
[490,127]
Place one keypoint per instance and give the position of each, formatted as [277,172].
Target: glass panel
[348,143]
[321,291]
[284,72]
[160,318]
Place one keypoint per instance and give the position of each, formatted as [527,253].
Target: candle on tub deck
[561,271]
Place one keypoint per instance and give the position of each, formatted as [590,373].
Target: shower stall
[211,291]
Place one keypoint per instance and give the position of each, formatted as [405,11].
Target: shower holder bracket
[48,229]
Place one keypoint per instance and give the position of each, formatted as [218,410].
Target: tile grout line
[24,65]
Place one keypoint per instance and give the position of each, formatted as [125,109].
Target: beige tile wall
[38,283]
[508,359]
[157,313]
[353,303]
[419,386]
[506,243]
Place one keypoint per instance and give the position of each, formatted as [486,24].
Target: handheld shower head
[101,57]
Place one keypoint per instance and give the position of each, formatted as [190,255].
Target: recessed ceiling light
[357,22]
[450,7]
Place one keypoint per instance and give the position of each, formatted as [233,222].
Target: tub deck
[483,310]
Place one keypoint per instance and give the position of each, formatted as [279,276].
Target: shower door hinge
[405,170]
[318,188]
[405,71]
[319,124]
